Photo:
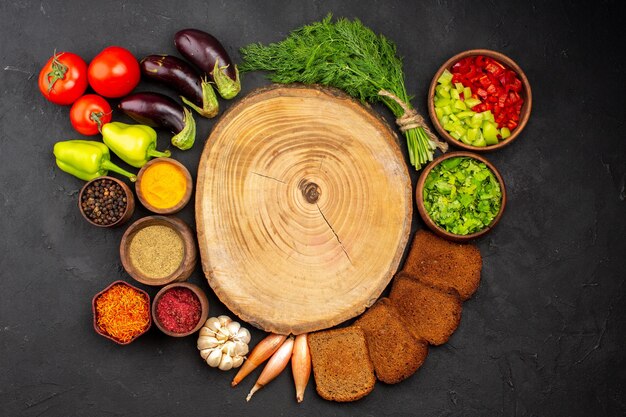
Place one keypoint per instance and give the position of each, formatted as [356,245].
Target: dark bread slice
[444,264]
[342,367]
[431,313]
[393,349]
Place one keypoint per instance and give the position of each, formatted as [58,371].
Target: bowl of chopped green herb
[460,196]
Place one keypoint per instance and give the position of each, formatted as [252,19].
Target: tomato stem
[96,116]
[58,71]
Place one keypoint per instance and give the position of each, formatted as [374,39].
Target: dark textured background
[543,336]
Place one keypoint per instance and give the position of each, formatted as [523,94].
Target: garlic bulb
[223,343]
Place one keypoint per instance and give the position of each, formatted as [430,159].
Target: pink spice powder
[178,310]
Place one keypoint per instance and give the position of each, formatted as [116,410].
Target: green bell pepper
[86,159]
[134,144]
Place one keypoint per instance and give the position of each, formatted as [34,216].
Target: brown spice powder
[156,251]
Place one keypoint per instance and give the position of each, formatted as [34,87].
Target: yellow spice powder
[156,251]
[163,185]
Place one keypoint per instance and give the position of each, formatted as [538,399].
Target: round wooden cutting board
[303,208]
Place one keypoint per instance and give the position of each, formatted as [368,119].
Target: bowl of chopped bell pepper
[479,100]
[460,196]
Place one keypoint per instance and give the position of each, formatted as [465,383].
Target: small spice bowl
[419,197]
[525,94]
[94,309]
[158,250]
[201,303]
[87,206]
[164,186]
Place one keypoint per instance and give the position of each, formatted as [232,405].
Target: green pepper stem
[158,154]
[110,166]
[210,106]
[185,138]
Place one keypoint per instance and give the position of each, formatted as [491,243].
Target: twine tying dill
[411,119]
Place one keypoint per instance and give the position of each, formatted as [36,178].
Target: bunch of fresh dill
[346,55]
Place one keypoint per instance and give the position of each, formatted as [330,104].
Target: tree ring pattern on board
[310,190]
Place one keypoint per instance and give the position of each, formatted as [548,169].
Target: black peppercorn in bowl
[106,202]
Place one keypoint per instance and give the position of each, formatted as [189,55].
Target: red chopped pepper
[516,85]
[502,99]
[497,86]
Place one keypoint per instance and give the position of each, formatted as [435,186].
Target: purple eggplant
[208,54]
[177,74]
[158,110]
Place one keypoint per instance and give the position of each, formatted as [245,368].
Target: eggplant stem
[210,106]
[226,86]
[185,139]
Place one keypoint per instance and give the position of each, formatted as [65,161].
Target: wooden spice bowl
[526,94]
[204,307]
[189,258]
[167,210]
[95,313]
[130,202]
[419,197]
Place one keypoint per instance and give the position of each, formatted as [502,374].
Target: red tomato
[114,72]
[64,78]
[89,113]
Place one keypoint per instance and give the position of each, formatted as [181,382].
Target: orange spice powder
[122,312]
[163,185]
